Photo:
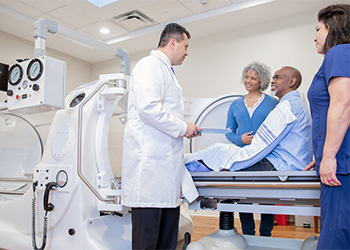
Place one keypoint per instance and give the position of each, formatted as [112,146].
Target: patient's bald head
[285,80]
[294,73]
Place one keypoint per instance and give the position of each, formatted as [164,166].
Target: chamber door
[213,115]
[21,147]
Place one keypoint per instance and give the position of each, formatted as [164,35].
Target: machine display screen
[4,68]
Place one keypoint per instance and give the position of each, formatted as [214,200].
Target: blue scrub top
[335,64]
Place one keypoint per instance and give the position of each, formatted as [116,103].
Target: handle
[49,206]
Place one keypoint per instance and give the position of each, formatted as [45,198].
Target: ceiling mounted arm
[41,28]
[44,25]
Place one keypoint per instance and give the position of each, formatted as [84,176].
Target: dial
[16,74]
[35,69]
[25,84]
[62,178]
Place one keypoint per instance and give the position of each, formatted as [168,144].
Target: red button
[18,97]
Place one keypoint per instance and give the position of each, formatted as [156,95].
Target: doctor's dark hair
[263,71]
[337,21]
[172,30]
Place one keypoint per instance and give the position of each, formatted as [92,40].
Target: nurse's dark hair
[263,71]
[172,30]
[337,20]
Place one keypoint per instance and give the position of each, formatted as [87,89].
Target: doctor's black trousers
[155,228]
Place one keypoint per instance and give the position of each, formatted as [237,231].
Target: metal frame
[298,188]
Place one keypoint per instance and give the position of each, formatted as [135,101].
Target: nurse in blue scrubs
[329,97]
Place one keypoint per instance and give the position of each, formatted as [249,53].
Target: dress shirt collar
[294,93]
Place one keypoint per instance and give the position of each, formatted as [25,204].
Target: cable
[43,244]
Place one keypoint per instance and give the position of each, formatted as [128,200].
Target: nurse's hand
[247,137]
[192,130]
[328,169]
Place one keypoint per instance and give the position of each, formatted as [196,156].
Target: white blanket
[223,156]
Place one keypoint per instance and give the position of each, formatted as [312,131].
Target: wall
[215,63]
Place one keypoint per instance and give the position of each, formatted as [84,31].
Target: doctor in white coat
[153,161]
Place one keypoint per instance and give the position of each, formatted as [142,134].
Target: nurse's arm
[338,121]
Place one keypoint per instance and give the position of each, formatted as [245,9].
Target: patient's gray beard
[273,93]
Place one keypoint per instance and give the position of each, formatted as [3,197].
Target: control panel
[60,174]
[36,85]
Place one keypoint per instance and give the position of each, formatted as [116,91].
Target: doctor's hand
[192,130]
[247,137]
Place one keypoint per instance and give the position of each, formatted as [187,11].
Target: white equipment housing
[77,137]
[85,196]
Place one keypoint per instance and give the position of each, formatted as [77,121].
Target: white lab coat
[153,163]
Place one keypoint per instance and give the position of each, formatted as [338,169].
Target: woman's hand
[338,122]
[328,169]
[247,137]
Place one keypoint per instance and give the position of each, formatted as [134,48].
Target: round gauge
[76,100]
[35,69]
[15,75]
[61,178]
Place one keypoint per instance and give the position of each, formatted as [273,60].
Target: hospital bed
[251,191]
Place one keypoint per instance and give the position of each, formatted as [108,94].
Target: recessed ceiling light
[104,31]
[101,3]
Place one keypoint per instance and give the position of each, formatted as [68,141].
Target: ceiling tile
[165,11]
[94,29]
[196,7]
[21,8]
[43,5]
[71,16]
[110,10]
[58,21]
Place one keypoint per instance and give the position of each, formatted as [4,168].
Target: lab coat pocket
[156,144]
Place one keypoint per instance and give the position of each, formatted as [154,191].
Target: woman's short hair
[262,70]
[337,20]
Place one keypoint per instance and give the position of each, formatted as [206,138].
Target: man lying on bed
[282,142]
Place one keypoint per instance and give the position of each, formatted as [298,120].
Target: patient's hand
[247,137]
[310,166]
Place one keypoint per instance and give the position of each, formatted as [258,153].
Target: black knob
[71,231]
[9,92]
[36,87]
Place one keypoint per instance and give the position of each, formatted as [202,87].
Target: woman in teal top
[239,120]
[244,117]
[246,114]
